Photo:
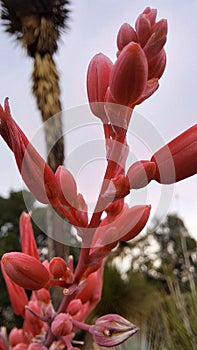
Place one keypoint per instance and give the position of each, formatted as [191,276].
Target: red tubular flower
[28,242]
[35,172]
[128,224]
[25,270]
[57,267]
[98,75]
[140,174]
[111,330]
[129,75]
[17,295]
[178,159]
[126,34]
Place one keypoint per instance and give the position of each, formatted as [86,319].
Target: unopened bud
[25,270]
[125,35]
[141,173]
[98,75]
[129,74]
[61,325]
[67,185]
[178,159]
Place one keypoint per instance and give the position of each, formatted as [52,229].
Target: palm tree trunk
[46,90]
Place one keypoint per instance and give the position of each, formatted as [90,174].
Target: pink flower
[25,270]
[178,159]
[111,330]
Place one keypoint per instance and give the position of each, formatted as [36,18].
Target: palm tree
[37,25]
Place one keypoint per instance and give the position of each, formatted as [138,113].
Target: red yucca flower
[25,270]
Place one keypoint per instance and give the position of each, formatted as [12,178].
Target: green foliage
[173,324]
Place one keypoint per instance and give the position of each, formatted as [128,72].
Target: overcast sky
[93,28]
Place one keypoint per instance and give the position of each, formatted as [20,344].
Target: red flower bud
[28,242]
[43,295]
[35,172]
[178,159]
[111,330]
[143,29]
[17,336]
[17,295]
[151,86]
[151,14]
[129,74]
[157,40]
[67,185]
[141,173]
[125,35]
[61,325]
[156,65]
[25,270]
[98,75]
[128,224]
[32,323]
[74,306]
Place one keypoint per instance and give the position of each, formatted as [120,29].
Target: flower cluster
[114,89]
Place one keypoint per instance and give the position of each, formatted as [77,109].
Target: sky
[93,27]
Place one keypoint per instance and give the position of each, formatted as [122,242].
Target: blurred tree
[167,250]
